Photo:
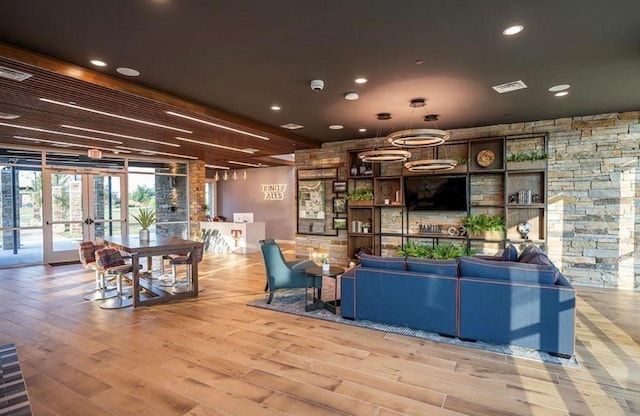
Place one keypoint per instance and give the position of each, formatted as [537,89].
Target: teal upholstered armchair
[282,274]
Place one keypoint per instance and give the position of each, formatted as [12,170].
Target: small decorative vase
[144,235]
[326,267]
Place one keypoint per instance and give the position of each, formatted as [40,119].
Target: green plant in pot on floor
[489,227]
[146,218]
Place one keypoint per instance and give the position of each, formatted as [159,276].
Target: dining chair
[101,289]
[111,262]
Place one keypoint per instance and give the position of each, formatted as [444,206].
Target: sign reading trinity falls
[274,192]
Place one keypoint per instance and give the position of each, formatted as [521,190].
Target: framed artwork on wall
[339,223]
[339,205]
[339,187]
[314,201]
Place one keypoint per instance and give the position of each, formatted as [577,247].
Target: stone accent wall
[7,184]
[197,178]
[593,215]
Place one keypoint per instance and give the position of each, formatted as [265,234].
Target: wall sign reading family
[274,191]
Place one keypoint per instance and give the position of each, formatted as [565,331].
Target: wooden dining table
[157,245]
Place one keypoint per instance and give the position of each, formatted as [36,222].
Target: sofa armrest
[530,315]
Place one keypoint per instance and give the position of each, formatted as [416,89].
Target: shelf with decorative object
[498,176]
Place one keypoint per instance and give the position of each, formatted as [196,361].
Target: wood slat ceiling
[67,83]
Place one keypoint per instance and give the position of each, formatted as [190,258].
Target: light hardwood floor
[217,356]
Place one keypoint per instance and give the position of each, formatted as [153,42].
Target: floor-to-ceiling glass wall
[21,240]
[163,188]
[52,200]
[82,201]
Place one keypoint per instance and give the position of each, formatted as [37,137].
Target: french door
[80,206]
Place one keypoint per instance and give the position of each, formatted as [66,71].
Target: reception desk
[241,237]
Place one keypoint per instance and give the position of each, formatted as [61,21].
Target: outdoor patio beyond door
[81,206]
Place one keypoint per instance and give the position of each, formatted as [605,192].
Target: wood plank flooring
[216,356]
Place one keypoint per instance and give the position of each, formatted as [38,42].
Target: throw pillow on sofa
[510,253]
[528,252]
[507,271]
[377,262]
[442,267]
[537,258]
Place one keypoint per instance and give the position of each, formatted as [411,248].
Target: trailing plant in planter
[439,252]
[479,224]
[523,157]
[360,195]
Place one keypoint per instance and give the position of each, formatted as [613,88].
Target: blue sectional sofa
[526,302]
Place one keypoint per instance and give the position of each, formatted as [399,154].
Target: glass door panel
[21,240]
[68,207]
[83,206]
[108,218]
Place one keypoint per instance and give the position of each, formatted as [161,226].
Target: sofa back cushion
[510,253]
[507,271]
[377,262]
[441,267]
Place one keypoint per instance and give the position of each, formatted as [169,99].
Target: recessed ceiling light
[362,130]
[98,62]
[351,96]
[559,87]
[418,62]
[361,80]
[130,72]
[276,107]
[291,126]
[7,116]
[336,127]
[561,93]
[513,30]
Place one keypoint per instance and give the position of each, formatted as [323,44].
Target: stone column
[197,176]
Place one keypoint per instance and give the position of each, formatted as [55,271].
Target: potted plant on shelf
[360,197]
[146,218]
[488,227]
[366,225]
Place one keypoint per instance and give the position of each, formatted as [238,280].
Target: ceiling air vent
[13,74]
[510,86]
[292,126]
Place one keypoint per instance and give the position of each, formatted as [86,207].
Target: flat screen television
[430,193]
